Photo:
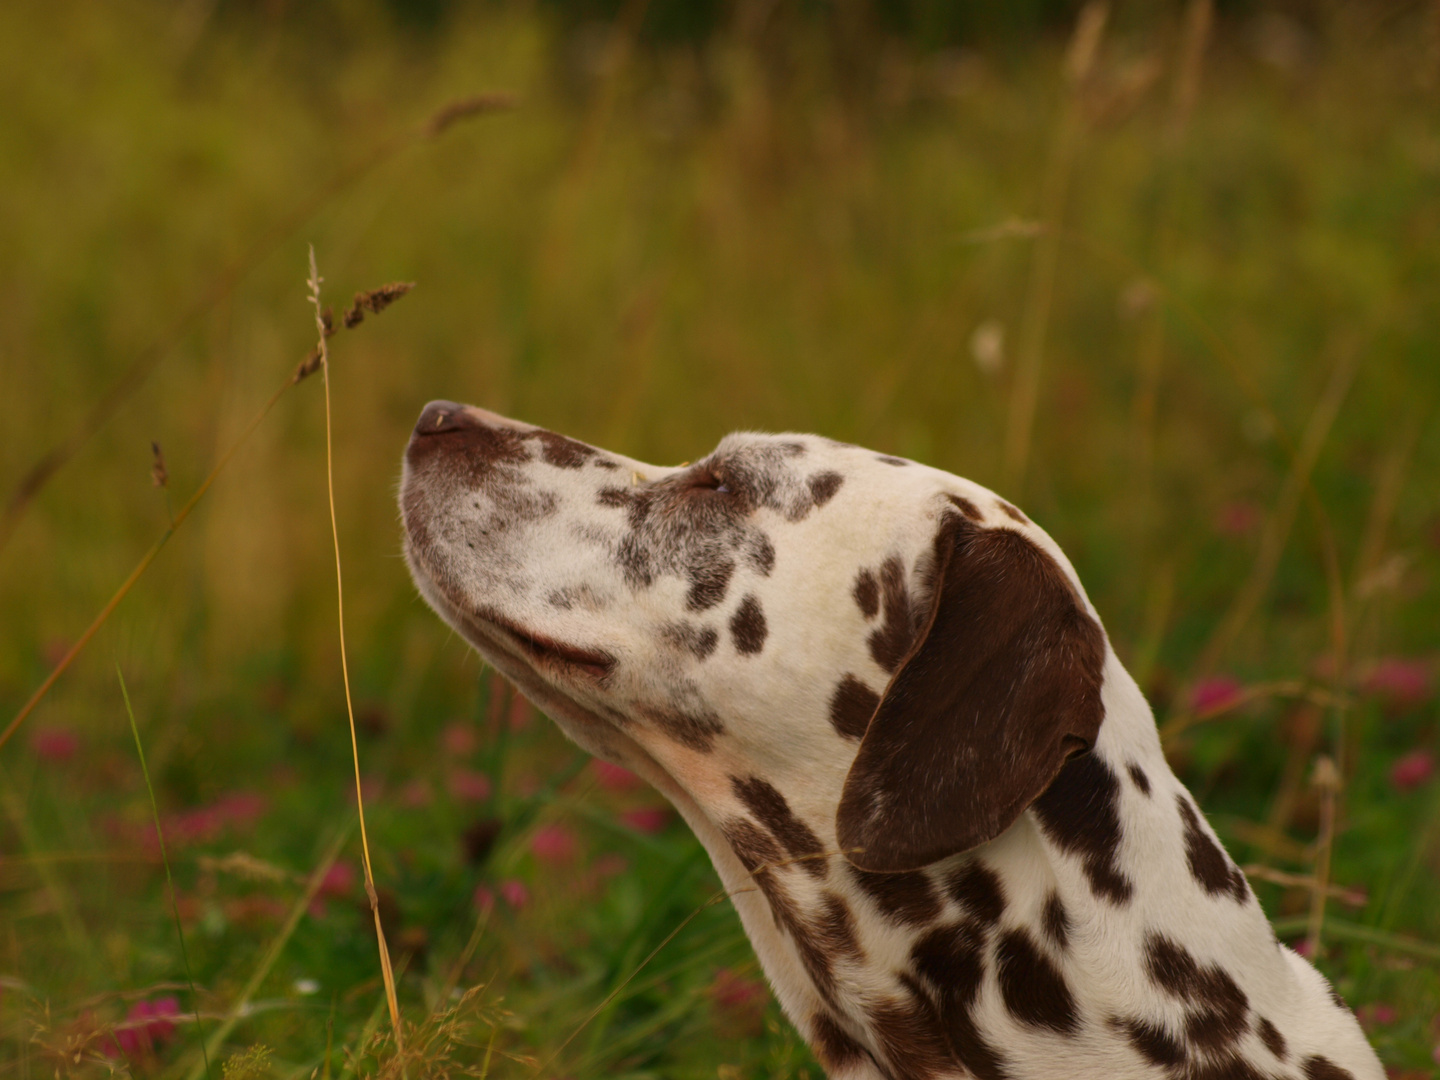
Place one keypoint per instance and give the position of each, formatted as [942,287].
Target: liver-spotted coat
[880,697]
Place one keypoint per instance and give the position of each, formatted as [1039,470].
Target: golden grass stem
[1356,898]
[292,920]
[1151,351]
[1282,520]
[386,970]
[1368,935]
[1174,726]
[165,859]
[1040,291]
[1328,780]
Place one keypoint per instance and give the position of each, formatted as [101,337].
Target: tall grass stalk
[165,859]
[1040,291]
[323,330]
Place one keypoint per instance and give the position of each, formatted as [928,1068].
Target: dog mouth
[546,653]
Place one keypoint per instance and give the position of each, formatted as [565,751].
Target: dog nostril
[441,416]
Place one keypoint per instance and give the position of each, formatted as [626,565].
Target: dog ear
[1000,688]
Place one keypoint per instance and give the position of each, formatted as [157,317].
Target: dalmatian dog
[881,699]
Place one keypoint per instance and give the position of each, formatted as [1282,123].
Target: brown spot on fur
[1218,1019]
[889,459]
[1001,687]
[1318,1067]
[834,1047]
[908,898]
[852,706]
[613,497]
[635,562]
[977,889]
[867,594]
[1079,813]
[758,852]
[699,641]
[1138,778]
[747,627]
[1056,921]
[1154,1042]
[912,1040]
[823,486]
[471,449]
[1271,1037]
[1011,512]
[890,643]
[822,940]
[1031,985]
[951,960]
[697,731]
[770,808]
[760,554]
[966,507]
[708,583]
[1208,864]
[559,451]
[1216,1028]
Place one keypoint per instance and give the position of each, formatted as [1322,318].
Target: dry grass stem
[165,860]
[466,108]
[1282,519]
[1327,780]
[1039,296]
[1356,898]
[1151,349]
[1287,688]
[386,971]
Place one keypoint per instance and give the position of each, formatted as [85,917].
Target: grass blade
[165,859]
[297,911]
[323,329]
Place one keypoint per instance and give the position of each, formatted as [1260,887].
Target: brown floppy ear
[1001,687]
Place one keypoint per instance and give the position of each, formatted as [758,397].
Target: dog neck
[1107,914]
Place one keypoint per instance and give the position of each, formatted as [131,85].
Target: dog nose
[439,417]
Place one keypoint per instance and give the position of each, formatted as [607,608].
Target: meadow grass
[1179,301]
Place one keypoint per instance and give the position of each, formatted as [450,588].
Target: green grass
[757,235]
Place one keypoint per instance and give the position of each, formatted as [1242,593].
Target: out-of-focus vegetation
[1219,254]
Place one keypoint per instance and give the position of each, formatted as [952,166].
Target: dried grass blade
[386,971]
[1282,520]
[165,858]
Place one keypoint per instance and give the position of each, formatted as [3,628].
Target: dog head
[897,645]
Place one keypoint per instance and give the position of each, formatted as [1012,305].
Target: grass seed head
[159,475]
[308,366]
[465,108]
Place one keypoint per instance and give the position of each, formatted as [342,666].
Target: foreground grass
[646,256]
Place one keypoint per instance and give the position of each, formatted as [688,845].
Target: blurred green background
[1208,239]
